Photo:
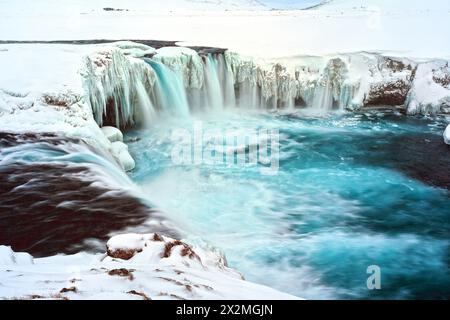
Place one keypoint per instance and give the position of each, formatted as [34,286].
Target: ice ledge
[447,135]
[136,266]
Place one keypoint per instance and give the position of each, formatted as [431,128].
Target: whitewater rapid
[341,201]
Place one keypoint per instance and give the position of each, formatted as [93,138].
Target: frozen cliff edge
[131,84]
[136,266]
[127,84]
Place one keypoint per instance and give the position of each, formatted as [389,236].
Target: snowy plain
[405,28]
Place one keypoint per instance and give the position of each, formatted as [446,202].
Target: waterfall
[248,95]
[170,93]
[123,90]
[227,83]
[145,111]
[323,97]
[213,87]
[110,82]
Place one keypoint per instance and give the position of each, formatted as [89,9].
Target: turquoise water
[352,190]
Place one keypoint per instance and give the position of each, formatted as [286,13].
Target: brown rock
[122,253]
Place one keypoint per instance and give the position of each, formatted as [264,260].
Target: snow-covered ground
[136,267]
[402,27]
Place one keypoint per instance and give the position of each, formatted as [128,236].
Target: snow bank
[112,134]
[9,257]
[447,135]
[160,268]
[120,151]
[430,91]
[400,27]
[42,92]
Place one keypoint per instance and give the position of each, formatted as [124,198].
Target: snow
[45,72]
[447,135]
[120,151]
[130,241]
[113,134]
[427,95]
[151,273]
[401,27]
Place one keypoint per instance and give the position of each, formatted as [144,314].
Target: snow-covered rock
[9,257]
[185,61]
[447,135]
[120,151]
[113,134]
[160,268]
[430,92]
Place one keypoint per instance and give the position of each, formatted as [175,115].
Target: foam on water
[339,203]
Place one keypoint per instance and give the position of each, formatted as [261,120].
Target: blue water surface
[352,190]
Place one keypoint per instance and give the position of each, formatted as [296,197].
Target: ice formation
[113,134]
[447,135]
[123,90]
[111,79]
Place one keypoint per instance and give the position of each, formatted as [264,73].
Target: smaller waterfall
[179,81]
[213,86]
[169,90]
[248,95]
[227,82]
[145,111]
[323,97]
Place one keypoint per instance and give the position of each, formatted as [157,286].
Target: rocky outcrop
[430,92]
[388,94]
[126,246]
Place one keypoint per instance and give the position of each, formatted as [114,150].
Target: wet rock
[388,93]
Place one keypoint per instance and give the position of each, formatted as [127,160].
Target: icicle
[110,81]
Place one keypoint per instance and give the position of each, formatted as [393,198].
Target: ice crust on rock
[447,135]
[113,134]
[120,151]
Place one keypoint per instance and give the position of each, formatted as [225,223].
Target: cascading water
[146,111]
[323,97]
[213,87]
[64,195]
[226,80]
[135,90]
[341,201]
[170,93]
